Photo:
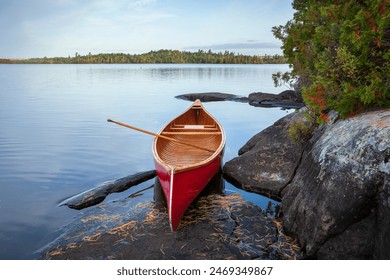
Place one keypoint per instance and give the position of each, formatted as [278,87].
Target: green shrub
[341,50]
[300,132]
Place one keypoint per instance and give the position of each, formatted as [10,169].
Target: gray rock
[267,162]
[336,197]
[355,242]
[288,99]
[337,205]
[291,95]
[211,96]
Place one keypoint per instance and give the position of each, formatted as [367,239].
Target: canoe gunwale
[184,171]
[217,153]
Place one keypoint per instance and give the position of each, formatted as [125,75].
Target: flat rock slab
[215,227]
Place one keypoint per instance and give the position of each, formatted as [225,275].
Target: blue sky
[37,28]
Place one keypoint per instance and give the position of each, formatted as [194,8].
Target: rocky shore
[268,161]
[334,190]
[217,226]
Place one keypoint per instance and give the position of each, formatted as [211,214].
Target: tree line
[160,56]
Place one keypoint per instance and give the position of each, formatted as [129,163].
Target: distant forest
[161,56]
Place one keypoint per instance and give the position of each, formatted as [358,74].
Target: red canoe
[187,161]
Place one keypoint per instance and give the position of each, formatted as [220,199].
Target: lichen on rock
[341,185]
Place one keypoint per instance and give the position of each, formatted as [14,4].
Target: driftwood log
[98,194]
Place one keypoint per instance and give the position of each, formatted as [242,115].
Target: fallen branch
[98,194]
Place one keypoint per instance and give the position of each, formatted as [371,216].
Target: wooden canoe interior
[196,127]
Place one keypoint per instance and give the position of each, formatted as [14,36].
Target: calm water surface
[55,141]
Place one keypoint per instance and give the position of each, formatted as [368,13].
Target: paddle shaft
[160,136]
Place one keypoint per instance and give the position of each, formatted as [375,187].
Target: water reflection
[202,73]
[55,142]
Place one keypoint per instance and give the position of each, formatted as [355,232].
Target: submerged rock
[214,227]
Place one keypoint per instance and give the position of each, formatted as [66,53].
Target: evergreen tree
[340,50]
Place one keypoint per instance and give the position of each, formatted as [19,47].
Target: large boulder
[338,203]
[267,162]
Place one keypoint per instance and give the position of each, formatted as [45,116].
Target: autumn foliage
[340,50]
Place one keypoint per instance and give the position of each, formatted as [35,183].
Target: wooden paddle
[159,135]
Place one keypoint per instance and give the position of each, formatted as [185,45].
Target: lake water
[55,141]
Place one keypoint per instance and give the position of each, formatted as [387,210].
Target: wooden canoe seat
[192,132]
[194,126]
